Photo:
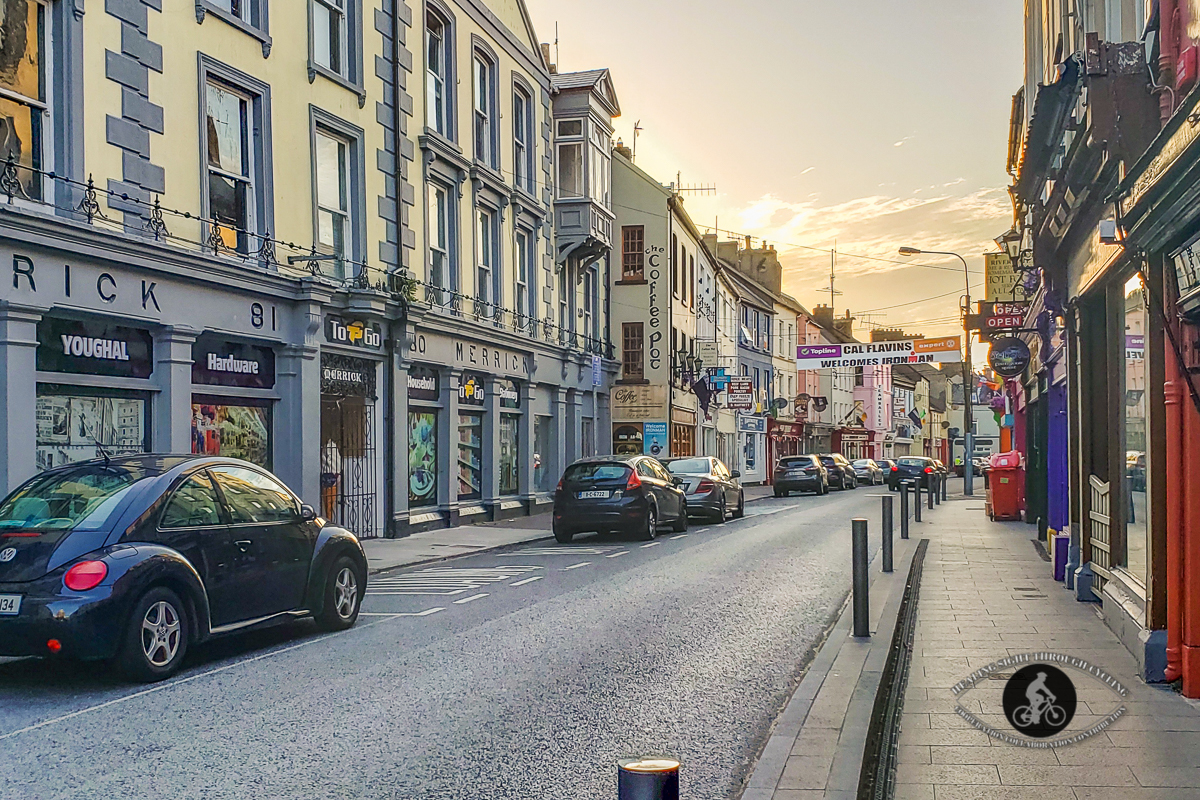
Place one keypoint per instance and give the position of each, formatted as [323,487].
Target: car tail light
[929,470]
[85,575]
[634,481]
[810,470]
[895,469]
[704,486]
[53,645]
[559,487]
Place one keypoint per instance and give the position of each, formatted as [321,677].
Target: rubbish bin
[1006,484]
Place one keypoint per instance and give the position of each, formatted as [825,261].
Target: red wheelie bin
[1005,486]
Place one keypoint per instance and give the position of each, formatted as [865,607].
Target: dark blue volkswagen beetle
[134,559]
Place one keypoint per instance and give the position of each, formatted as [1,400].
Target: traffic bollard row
[647,779]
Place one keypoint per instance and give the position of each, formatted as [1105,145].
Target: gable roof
[599,81]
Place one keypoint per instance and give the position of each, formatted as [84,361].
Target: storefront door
[349,444]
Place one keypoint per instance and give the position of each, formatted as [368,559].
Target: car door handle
[243,545]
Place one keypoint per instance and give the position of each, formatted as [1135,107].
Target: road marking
[652,544]
[446,581]
[772,510]
[527,580]
[560,551]
[470,599]
[416,594]
[576,566]
[680,536]
[424,613]
[622,553]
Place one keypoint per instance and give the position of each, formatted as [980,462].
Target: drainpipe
[1189,568]
[1173,396]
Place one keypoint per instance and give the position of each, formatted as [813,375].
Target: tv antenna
[637,128]
[697,189]
[832,266]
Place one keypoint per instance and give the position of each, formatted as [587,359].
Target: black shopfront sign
[353,333]
[217,362]
[94,348]
[470,389]
[346,376]
[510,393]
[423,385]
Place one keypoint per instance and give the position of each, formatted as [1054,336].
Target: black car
[618,493]
[711,487]
[800,474]
[135,559]
[910,469]
[841,473]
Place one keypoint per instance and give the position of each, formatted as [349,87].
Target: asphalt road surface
[523,673]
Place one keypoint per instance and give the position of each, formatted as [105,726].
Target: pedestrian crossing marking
[446,581]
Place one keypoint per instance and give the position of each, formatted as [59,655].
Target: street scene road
[520,673]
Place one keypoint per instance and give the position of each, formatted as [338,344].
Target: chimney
[546,56]
[748,241]
[623,150]
[823,316]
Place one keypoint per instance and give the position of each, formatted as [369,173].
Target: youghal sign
[864,354]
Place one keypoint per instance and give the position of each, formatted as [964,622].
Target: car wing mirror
[735,474]
[307,513]
[677,481]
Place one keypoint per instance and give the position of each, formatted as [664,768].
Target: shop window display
[233,431]
[422,458]
[509,447]
[77,428]
[470,456]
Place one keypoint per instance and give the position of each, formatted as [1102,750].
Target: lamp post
[968,412]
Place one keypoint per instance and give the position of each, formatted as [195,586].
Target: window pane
[253,497]
[570,127]
[570,170]
[1136,450]
[331,172]
[193,505]
[227,131]
[20,48]
[227,201]
[21,139]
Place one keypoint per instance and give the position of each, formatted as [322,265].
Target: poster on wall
[627,439]
[422,458]
[233,431]
[71,429]
[654,438]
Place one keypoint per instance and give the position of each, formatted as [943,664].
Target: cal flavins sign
[946,350]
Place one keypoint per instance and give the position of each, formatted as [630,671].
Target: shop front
[93,389]
[853,443]
[683,432]
[783,439]
[233,399]
[752,443]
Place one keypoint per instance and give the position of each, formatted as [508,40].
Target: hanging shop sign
[353,333]
[864,354]
[423,385]
[751,424]
[93,348]
[346,376]
[509,393]
[741,394]
[470,389]
[639,402]
[1009,356]
[1135,346]
[1001,316]
[718,380]
[654,439]
[217,362]
[1000,277]
[707,352]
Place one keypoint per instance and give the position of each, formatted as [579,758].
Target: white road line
[652,544]
[680,536]
[470,599]
[416,594]
[424,613]
[622,553]
[527,580]
[394,614]
[171,684]
[576,566]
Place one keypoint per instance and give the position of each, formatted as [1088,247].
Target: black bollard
[903,511]
[937,490]
[647,779]
[944,482]
[916,487]
[931,490]
[887,533]
[862,603]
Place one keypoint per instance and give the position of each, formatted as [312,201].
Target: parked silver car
[867,471]
[712,488]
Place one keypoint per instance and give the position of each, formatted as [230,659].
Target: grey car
[867,471]
[713,490]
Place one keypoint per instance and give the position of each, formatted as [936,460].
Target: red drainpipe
[1190,547]
[1173,394]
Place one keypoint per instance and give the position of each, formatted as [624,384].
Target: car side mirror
[677,481]
[735,474]
[307,513]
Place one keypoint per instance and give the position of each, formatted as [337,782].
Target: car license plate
[593,495]
[10,604]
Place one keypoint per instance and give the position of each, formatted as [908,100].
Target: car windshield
[911,462]
[77,499]
[690,466]
[588,473]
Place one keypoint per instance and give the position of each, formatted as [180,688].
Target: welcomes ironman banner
[946,350]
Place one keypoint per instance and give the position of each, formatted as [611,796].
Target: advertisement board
[945,350]
[1000,277]
[741,394]
[654,439]
[639,402]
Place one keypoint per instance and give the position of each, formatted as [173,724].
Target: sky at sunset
[877,123]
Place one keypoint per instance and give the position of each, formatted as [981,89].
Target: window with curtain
[230,184]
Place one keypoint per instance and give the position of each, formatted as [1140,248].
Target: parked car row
[921,470]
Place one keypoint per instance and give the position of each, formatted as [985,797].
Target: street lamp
[968,415]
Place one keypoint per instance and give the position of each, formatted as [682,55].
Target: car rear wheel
[562,536]
[720,518]
[156,638]
[343,596]
[740,511]
[649,525]
[680,525]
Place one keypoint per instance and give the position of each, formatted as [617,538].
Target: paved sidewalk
[443,543]
[985,594]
